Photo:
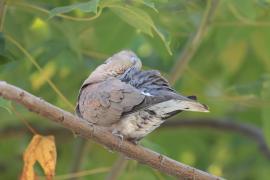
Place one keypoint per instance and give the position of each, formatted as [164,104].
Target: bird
[130,102]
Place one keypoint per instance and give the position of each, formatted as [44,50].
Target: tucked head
[116,65]
[122,61]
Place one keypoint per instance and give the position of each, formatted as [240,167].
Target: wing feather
[104,103]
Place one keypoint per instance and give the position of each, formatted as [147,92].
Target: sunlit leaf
[215,169]
[134,17]
[260,43]
[148,3]
[188,157]
[139,19]
[5,104]
[41,149]
[38,79]
[233,55]
[90,6]
[247,9]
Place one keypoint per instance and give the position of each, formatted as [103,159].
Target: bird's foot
[119,135]
[135,142]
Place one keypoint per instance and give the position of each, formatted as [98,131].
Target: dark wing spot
[139,126]
[153,113]
[192,97]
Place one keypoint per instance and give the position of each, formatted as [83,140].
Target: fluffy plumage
[130,102]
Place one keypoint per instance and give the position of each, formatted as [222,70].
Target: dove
[128,101]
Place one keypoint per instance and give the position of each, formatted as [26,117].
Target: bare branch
[101,135]
[118,167]
[247,130]
[194,43]
[3,9]
[79,152]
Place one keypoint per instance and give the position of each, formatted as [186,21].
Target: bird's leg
[119,135]
[135,142]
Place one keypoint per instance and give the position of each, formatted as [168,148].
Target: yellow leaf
[41,149]
[260,44]
[38,79]
[233,55]
[40,27]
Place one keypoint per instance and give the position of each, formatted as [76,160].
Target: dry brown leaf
[43,150]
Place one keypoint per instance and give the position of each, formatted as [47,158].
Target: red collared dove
[129,101]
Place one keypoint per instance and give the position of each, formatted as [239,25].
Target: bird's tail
[173,106]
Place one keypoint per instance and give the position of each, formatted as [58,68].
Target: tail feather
[167,108]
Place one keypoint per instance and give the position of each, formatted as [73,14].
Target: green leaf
[5,55]
[233,55]
[247,9]
[5,105]
[266,112]
[139,19]
[260,43]
[90,6]
[134,17]
[2,43]
[148,3]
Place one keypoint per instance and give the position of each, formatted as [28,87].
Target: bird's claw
[120,136]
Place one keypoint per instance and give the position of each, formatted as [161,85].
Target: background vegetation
[226,64]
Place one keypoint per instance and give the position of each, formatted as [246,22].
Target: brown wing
[103,103]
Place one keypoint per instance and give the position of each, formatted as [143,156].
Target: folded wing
[104,103]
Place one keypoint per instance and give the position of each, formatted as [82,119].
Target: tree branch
[101,135]
[247,130]
[252,133]
[117,168]
[194,42]
[2,14]
[79,151]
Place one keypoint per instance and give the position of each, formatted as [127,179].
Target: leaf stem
[82,173]
[45,11]
[118,167]
[3,10]
[25,122]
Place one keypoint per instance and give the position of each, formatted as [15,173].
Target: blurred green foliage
[50,54]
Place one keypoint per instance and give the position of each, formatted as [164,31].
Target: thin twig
[81,173]
[79,149]
[101,135]
[118,167]
[3,9]
[47,12]
[194,43]
[25,122]
[247,130]
[241,24]
[34,62]
[245,20]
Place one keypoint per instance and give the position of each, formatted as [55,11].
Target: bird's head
[115,66]
[120,62]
